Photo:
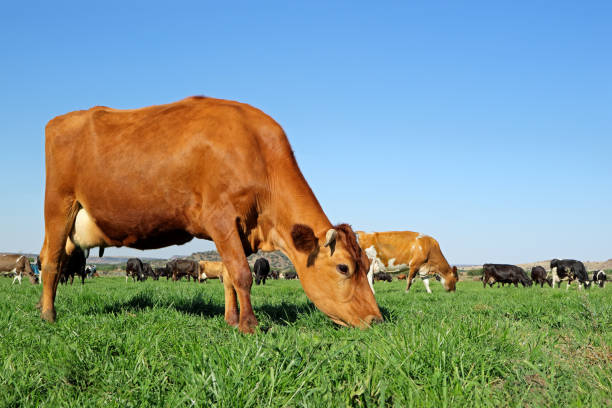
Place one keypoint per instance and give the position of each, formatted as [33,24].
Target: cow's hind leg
[59,217]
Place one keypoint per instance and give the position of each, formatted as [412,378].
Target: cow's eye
[343,269]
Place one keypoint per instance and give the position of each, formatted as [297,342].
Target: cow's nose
[371,319]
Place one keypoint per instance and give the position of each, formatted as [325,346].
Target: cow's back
[175,160]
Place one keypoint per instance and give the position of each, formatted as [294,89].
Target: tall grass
[166,344]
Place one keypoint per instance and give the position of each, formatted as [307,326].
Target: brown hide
[200,167]
[411,248]
[17,262]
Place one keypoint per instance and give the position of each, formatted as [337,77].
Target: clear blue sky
[487,125]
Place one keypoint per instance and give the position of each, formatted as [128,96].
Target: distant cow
[261,269]
[184,267]
[148,271]
[600,278]
[90,271]
[291,274]
[420,252]
[401,276]
[212,270]
[273,274]
[569,270]
[73,264]
[504,273]
[163,271]
[538,275]
[135,269]
[383,276]
[19,265]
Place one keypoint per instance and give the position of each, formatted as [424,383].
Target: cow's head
[332,270]
[449,278]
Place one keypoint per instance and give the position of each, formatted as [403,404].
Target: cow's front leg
[229,245]
[414,268]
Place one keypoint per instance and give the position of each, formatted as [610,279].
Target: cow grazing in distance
[91,271]
[600,278]
[401,276]
[261,269]
[504,273]
[383,276]
[184,267]
[273,274]
[73,264]
[420,252]
[290,274]
[212,270]
[539,275]
[148,271]
[135,269]
[163,271]
[200,167]
[19,265]
[569,270]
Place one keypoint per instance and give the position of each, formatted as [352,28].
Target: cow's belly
[88,234]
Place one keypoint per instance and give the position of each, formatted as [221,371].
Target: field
[166,344]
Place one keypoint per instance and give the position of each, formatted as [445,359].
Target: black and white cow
[504,273]
[90,270]
[600,278]
[569,270]
[135,269]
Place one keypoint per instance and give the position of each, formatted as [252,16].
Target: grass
[166,344]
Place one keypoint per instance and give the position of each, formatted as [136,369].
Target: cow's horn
[330,240]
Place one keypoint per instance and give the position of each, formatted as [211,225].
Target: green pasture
[121,344]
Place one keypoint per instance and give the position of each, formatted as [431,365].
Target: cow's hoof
[247,325]
[232,321]
[48,315]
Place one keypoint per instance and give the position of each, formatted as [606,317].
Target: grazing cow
[291,274]
[135,269]
[184,267]
[569,270]
[505,274]
[538,275]
[148,271]
[73,264]
[163,271]
[18,265]
[212,270]
[201,167]
[90,271]
[401,276]
[600,278]
[383,276]
[273,274]
[261,269]
[420,252]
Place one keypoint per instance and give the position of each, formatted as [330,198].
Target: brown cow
[420,252]
[19,265]
[212,270]
[205,168]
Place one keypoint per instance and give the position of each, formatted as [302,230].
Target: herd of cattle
[199,271]
[568,270]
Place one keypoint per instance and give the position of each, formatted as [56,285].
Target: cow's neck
[291,202]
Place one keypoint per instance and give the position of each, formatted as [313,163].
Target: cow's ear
[303,238]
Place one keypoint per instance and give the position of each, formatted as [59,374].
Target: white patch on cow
[86,234]
[443,282]
[568,284]
[371,252]
[420,236]
[391,262]
[424,271]
[579,285]
[426,283]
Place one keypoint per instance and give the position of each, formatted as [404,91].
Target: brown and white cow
[19,265]
[212,270]
[420,252]
[205,168]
